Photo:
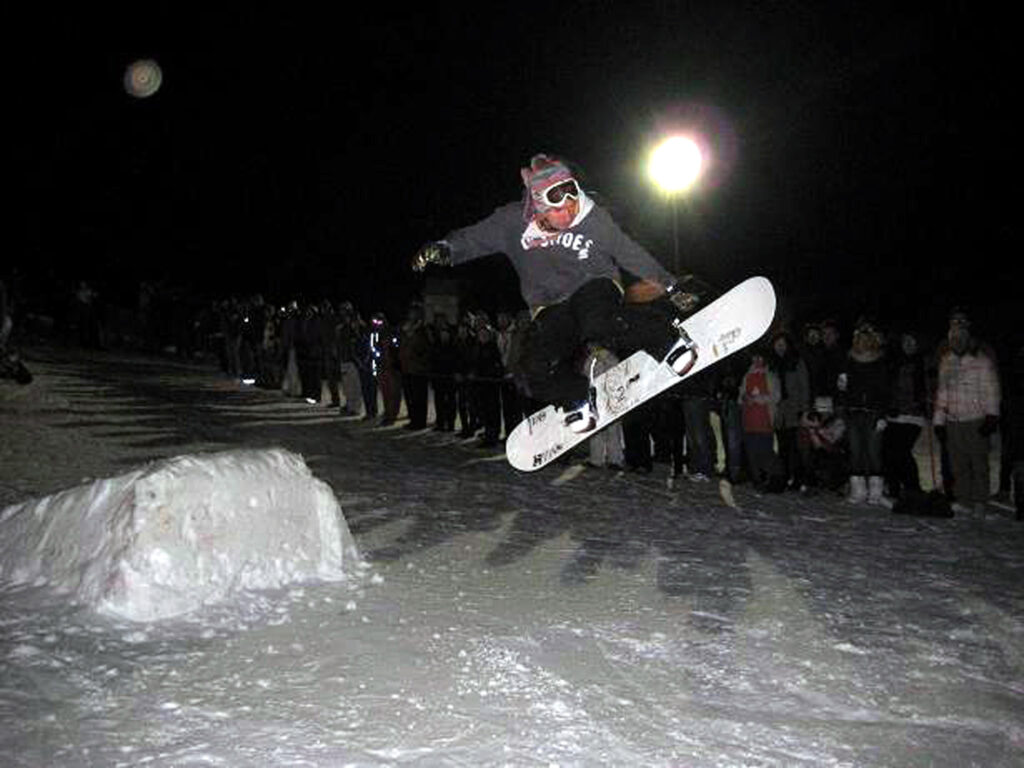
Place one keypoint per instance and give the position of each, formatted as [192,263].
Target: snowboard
[731,322]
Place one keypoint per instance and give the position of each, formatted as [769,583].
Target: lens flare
[142,78]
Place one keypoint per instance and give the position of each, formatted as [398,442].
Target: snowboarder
[568,252]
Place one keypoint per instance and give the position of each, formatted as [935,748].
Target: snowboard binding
[683,356]
[583,417]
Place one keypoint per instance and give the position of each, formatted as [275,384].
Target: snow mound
[181,533]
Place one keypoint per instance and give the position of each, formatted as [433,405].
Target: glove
[989,426]
[682,299]
[432,253]
[880,425]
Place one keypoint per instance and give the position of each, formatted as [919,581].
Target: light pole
[675,165]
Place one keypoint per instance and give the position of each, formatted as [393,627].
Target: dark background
[863,158]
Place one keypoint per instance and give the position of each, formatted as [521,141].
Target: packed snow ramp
[166,539]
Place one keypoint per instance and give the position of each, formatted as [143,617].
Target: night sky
[860,158]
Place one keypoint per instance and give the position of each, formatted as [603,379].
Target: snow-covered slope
[170,537]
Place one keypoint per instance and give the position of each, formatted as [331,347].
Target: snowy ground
[506,619]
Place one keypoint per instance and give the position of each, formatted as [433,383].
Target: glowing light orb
[142,78]
[675,164]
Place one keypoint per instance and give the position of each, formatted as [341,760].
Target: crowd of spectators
[798,413]
[329,354]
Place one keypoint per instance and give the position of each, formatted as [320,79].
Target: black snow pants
[596,313]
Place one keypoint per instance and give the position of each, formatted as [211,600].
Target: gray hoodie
[593,247]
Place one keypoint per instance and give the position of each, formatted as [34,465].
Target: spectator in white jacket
[967,412]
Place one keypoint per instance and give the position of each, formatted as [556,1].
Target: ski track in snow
[506,619]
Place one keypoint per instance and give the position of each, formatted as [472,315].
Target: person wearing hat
[966,415]
[569,253]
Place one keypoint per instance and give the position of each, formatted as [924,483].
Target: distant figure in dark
[387,368]
[347,342]
[465,390]
[812,350]
[865,396]
[414,356]
[967,402]
[698,394]
[443,359]
[308,350]
[254,324]
[11,365]
[489,374]
[906,418]
[1014,421]
[637,428]
[511,402]
[833,358]
[727,394]
[366,363]
[759,395]
[822,447]
[271,346]
[85,316]
[330,365]
[291,321]
[6,317]
[794,401]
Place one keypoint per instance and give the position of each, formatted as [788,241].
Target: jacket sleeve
[487,236]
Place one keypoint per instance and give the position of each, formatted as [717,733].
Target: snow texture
[182,533]
[569,617]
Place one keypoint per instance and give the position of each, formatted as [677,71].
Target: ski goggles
[559,193]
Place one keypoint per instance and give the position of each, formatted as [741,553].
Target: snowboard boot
[581,416]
